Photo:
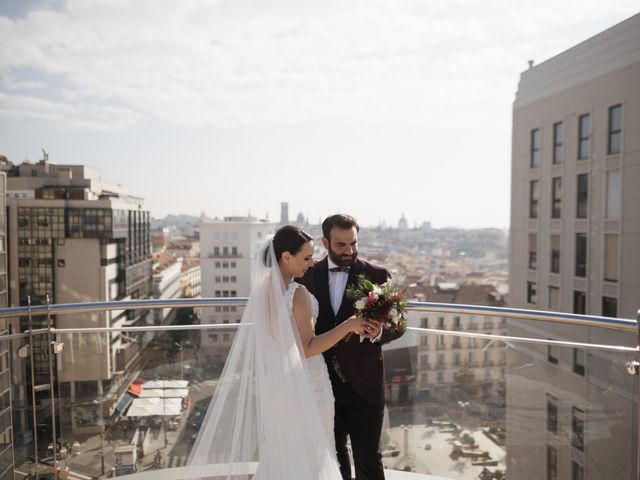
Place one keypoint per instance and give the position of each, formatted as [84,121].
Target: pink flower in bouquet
[372,299]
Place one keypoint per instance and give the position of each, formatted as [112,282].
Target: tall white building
[575,232]
[227,251]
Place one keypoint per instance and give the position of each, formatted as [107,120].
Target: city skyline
[221,107]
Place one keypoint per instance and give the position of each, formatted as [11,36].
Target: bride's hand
[360,326]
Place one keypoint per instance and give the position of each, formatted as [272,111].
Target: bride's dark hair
[287,239]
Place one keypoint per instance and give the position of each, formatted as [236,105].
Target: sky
[378,108]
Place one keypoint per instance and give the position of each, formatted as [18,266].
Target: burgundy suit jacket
[361,363]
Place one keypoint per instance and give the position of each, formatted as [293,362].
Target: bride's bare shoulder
[301,297]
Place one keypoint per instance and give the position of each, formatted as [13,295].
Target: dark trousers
[362,422]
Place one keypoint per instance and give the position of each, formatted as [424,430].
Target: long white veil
[263,413]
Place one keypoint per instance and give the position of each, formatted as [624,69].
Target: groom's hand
[373,328]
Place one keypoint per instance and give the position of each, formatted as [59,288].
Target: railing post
[50,354]
[33,385]
[638,402]
[633,368]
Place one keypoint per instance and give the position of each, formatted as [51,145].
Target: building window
[425,322]
[533,199]
[554,299]
[577,471]
[424,361]
[552,463]
[225,279]
[441,323]
[556,197]
[579,303]
[218,294]
[535,148]
[234,251]
[582,195]
[584,127]
[552,414]
[581,255]
[533,251]
[611,257]
[218,279]
[233,264]
[532,295]
[577,428]
[225,337]
[615,130]
[225,251]
[614,198]
[216,251]
[609,307]
[555,253]
[552,354]
[558,140]
[233,279]
[578,361]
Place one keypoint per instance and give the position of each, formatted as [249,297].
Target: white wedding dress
[317,371]
[271,414]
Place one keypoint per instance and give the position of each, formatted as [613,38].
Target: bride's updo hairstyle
[287,239]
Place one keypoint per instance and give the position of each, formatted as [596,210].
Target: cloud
[194,63]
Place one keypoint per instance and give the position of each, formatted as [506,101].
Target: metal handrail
[618,324]
[630,325]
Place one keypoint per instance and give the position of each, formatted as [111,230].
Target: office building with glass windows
[73,238]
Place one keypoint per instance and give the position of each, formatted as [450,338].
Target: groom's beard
[342,260]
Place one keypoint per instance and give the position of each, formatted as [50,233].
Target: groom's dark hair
[339,220]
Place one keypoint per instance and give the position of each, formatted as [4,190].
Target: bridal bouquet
[384,303]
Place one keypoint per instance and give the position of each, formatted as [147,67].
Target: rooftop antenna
[531,63]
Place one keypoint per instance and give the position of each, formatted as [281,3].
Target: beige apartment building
[446,364]
[575,232]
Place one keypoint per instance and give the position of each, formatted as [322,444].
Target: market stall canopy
[146,407]
[164,392]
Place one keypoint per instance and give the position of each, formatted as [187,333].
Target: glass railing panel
[18,446]
[459,404]
[132,402]
[464,407]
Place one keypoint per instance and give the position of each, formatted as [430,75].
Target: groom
[355,367]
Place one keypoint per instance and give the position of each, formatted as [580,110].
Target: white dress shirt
[337,285]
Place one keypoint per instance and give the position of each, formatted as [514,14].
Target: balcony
[488,418]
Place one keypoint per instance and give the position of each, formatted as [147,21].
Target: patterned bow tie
[340,269]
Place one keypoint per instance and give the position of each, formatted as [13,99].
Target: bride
[273,407]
